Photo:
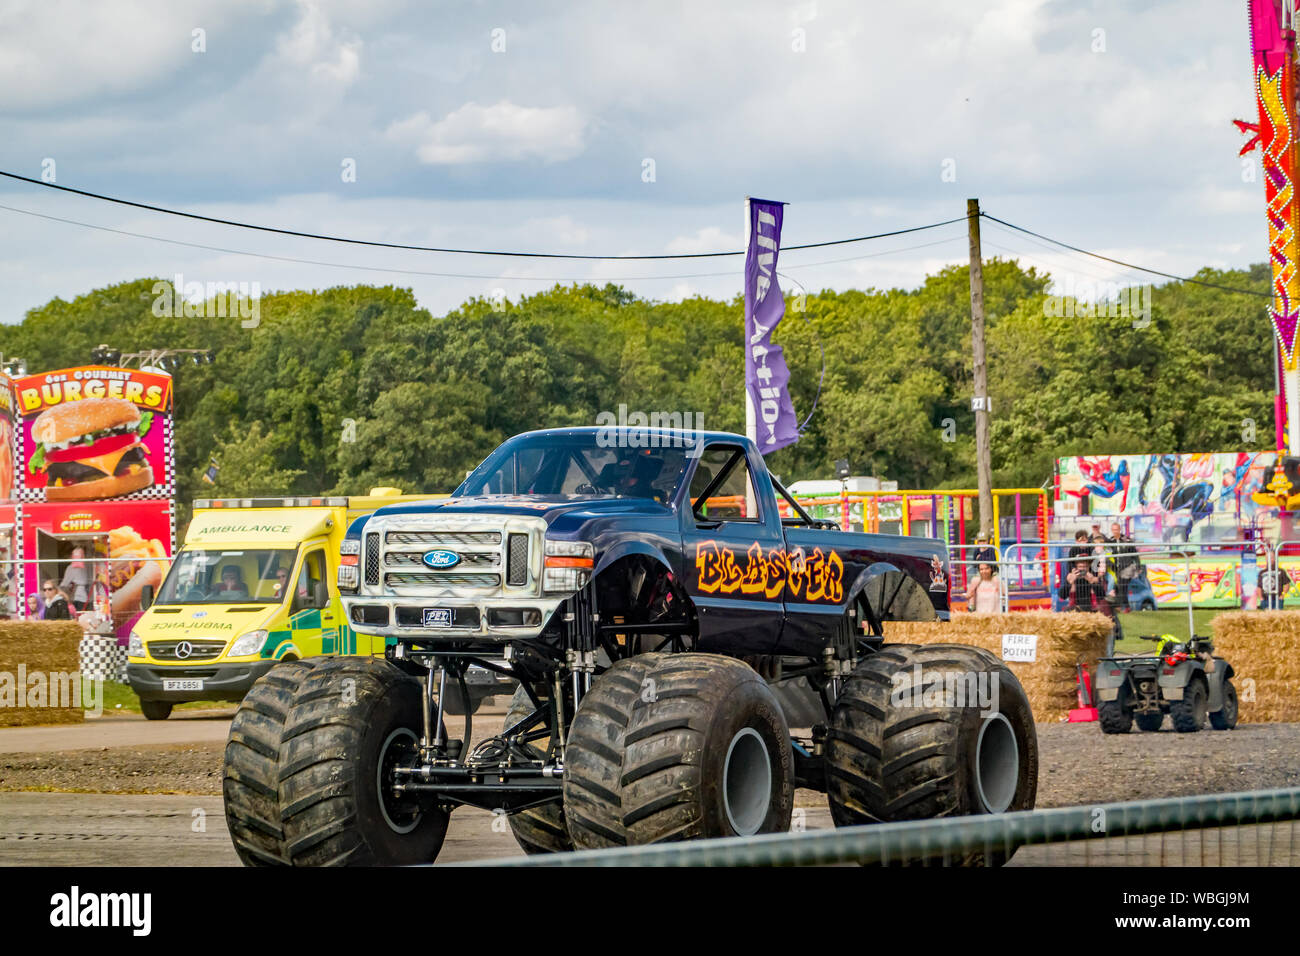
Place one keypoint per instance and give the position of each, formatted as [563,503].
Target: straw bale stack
[1050,680]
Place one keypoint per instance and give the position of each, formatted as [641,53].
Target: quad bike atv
[1184,680]
[662,619]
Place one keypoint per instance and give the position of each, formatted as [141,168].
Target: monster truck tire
[674,747]
[891,757]
[1189,713]
[351,719]
[250,776]
[156,709]
[801,704]
[1149,722]
[537,829]
[1226,718]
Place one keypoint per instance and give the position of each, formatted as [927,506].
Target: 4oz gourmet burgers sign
[94,433]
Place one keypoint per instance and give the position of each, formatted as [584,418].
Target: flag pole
[751,418]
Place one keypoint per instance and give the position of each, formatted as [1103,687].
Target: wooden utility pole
[980,402]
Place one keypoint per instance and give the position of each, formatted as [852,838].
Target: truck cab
[253,585]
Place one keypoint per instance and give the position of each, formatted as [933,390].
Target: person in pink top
[984,596]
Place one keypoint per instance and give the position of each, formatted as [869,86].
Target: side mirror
[146,597]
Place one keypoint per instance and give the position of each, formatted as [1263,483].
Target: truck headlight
[134,646]
[567,565]
[349,579]
[247,644]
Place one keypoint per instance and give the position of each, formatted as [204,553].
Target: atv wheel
[674,747]
[250,783]
[1189,713]
[156,709]
[1114,715]
[892,757]
[537,829]
[352,720]
[1149,722]
[1226,718]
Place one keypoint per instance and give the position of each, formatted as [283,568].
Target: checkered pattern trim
[165,490]
[102,658]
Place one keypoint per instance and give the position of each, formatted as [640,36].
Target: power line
[1127,265]
[446,275]
[467,252]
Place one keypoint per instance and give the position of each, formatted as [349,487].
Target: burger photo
[91,449]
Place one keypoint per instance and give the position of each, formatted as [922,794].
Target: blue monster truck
[662,617]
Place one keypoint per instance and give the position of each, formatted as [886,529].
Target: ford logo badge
[441,559]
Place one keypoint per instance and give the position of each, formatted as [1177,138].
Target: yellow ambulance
[253,585]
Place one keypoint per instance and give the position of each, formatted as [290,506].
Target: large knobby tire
[1226,718]
[250,773]
[892,755]
[538,829]
[676,747]
[156,709]
[1189,714]
[351,720]
[1149,722]
[1115,716]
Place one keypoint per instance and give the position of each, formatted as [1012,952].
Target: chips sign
[93,433]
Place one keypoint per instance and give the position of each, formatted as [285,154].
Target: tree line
[340,390]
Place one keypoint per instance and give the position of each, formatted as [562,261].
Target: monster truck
[649,595]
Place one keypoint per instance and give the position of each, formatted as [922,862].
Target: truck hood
[548,507]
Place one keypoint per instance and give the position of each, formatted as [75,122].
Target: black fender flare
[891,594]
[631,548]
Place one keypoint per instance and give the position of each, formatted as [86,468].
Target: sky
[617,128]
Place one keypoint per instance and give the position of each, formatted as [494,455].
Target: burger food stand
[87,485]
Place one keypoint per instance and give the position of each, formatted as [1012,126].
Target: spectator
[35,608]
[76,579]
[1125,563]
[56,602]
[984,551]
[1273,581]
[1084,590]
[1080,545]
[984,596]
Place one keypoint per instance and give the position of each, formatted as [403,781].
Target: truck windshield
[548,464]
[227,576]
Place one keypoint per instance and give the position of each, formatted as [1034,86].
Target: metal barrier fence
[948,840]
[112,585]
[1188,578]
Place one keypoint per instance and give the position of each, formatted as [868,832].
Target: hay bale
[1050,681]
[39,666]
[1263,648]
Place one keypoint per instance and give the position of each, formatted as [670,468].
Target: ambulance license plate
[182,683]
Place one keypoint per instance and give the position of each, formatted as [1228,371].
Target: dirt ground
[123,791]
[1078,763]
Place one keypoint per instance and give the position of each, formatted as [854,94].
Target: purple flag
[766,376]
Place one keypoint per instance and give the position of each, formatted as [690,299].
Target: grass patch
[120,697]
[1168,621]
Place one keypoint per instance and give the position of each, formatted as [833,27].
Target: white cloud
[501,132]
[314,45]
[709,239]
